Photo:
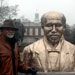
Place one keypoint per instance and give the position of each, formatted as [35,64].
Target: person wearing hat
[10,63]
[52,53]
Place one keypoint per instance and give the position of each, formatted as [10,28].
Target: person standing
[10,63]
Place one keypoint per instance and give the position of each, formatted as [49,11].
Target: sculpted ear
[64,28]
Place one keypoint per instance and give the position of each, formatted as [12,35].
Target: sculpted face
[53,28]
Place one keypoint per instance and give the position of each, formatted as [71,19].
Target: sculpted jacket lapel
[64,60]
[41,55]
[42,59]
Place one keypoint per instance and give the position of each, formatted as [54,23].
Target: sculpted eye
[58,25]
[48,25]
[51,25]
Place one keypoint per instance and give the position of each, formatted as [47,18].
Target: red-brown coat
[6,65]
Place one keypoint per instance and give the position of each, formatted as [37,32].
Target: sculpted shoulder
[34,46]
[69,46]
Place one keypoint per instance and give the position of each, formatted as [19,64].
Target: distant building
[33,30]
[36,20]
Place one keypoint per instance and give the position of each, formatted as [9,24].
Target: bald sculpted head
[49,16]
[53,24]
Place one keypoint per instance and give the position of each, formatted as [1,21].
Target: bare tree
[21,30]
[7,11]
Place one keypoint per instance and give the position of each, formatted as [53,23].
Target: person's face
[53,30]
[9,33]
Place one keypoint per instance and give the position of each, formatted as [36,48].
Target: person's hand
[32,71]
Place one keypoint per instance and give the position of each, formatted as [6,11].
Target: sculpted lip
[53,35]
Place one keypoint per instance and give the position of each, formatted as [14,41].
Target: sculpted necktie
[53,60]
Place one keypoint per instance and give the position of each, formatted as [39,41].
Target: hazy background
[28,8]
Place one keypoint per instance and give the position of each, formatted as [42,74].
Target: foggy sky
[28,8]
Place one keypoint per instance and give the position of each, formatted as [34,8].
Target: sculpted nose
[53,28]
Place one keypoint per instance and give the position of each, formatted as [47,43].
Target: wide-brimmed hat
[9,24]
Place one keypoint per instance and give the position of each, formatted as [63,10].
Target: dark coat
[6,65]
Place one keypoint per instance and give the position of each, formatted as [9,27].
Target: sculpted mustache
[53,34]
